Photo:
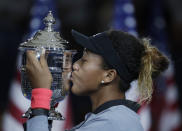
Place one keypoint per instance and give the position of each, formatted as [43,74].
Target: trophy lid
[47,38]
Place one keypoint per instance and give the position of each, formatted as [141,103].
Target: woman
[111,61]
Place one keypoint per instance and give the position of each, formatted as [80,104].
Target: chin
[76,91]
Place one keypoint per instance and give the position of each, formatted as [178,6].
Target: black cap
[102,45]
[85,41]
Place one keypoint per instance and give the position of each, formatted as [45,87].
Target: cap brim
[84,41]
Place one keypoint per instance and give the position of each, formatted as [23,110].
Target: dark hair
[143,61]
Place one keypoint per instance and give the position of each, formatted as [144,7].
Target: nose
[76,66]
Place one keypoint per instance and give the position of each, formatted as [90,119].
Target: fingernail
[43,51]
[69,75]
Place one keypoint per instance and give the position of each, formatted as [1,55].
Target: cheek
[87,81]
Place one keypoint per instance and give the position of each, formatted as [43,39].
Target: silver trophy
[55,48]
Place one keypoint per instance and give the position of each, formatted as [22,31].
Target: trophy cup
[55,48]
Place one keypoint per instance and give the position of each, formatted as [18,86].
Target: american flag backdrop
[124,20]
[123,17]
[162,114]
[18,104]
[164,106]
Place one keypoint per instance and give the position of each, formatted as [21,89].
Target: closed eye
[83,60]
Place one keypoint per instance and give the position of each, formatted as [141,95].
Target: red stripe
[16,112]
[179,128]
[143,106]
[173,106]
[18,76]
[69,119]
[170,81]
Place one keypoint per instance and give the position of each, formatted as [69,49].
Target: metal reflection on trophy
[55,47]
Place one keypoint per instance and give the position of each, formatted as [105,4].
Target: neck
[105,94]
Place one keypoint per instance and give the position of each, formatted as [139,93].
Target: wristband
[41,98]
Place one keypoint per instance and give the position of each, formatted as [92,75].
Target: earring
[102,81]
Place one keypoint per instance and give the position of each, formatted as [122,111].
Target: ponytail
[152,64]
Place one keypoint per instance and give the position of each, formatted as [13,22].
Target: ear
[109,76]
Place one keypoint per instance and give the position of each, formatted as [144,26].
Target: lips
[72,76]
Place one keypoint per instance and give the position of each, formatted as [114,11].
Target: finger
[31,57]
[67,61]
[43,60]
[28,57]
[66,81]
[67,68]
[31,60]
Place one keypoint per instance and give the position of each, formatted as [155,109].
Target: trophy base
[53,115]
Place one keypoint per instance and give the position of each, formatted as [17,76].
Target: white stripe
[169,120]
[171,95]
[17,97]
[170,71]
[10,124]
[145,118]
